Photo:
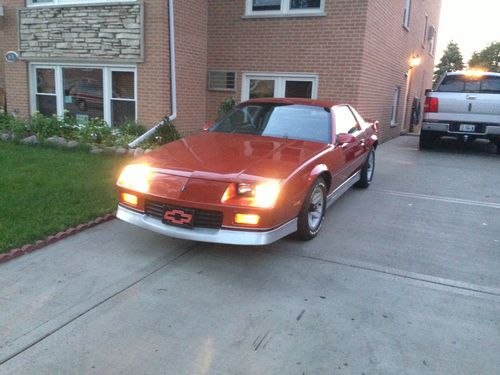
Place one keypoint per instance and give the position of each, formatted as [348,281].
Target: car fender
[315,172]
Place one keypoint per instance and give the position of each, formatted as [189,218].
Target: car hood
[233,157]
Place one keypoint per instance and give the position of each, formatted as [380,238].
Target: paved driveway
[404,278]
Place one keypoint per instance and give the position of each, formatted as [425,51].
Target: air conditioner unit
[432,33]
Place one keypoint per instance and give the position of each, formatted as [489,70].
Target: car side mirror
[208,125]
[346,138]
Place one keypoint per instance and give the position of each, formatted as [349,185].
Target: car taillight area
[431,105]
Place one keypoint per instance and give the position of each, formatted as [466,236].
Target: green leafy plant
[96,131]
[228,104]
[164,133]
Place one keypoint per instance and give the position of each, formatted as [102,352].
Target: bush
[164,133]
[94,131]
[11,124]
[226,106]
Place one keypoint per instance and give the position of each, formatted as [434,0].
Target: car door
[345,123]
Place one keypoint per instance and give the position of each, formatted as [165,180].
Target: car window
[465,83]
[294,121]
[345,122]
[359,119]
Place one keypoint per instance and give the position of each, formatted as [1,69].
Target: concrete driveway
[403,279]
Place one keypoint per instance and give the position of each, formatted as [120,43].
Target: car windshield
[465,83]
[293,121]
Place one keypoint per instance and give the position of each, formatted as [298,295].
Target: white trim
[29,3]
[106,69]
[284,11]
[280,80]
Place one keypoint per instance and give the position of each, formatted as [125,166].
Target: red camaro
[268,168]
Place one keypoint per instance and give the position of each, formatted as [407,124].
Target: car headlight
[262,195]
[136,177]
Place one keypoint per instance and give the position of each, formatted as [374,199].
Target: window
[46,99]
[284,7]
[475,84]
[425,30]
[345,122]
[221,81]
[395,106]
[406,14]
[262,85]
[85,92]
[278,120]
[432,38]
[51,2]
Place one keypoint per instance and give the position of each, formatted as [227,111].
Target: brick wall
[15,74]
[388,49]
[191,18]
[153,75]
[328,46]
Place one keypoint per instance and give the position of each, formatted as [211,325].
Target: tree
[487,59]
[452,60]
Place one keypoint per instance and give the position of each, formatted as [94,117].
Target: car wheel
[367,171]
[312,213]
[427,138]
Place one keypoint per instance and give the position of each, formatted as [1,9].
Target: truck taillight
[431,105]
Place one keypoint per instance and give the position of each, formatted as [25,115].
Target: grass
[44,190]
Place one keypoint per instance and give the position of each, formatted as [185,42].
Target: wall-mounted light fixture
[415,61]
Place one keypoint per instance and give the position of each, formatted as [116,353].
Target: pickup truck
[465,105]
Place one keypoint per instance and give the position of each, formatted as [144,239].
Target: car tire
[427,138]
[312,213]
[498,148]
[367,171]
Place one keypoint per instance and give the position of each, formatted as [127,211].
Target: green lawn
[44,190]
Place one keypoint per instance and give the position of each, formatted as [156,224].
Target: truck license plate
[467,128]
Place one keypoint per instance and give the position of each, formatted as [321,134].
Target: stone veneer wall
[93,32]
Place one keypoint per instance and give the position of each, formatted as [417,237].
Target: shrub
[228,104]
[164,133]
[97,131]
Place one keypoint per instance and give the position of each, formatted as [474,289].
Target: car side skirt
[346,185]
[223,236]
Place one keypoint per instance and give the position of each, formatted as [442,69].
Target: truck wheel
[312,213]
[426,139]
[367,171]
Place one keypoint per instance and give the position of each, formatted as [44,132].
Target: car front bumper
[223,235]
[486,131]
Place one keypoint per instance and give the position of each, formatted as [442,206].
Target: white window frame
[407,14]
[280,80]
[284,11]
[107,84]
[30,3]
[395,106]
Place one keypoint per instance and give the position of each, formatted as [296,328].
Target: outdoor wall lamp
[415,61]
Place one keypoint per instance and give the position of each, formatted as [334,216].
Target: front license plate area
[179,217]
[467,128]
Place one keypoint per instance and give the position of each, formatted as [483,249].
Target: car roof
[311,102]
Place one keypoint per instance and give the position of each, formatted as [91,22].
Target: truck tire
[427,138]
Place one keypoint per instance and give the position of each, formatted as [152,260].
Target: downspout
[173,79]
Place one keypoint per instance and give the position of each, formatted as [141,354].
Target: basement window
[263,8]
[221,81]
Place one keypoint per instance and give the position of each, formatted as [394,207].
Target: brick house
[144,60]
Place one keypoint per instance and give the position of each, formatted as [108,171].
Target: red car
[268,168]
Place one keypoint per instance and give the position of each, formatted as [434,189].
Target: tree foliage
[452,60]
[487,59]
